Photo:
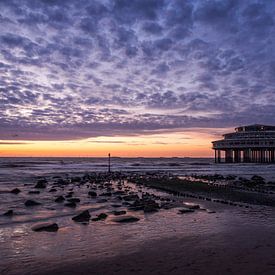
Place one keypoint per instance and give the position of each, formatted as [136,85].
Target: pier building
[252,143]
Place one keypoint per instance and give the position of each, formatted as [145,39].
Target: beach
[202,228]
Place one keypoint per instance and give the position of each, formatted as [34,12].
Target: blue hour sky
[81,69]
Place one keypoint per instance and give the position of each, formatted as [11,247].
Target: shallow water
[24,251]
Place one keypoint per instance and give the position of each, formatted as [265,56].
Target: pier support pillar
[228,156]
[237,155]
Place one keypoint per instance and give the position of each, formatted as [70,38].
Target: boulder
[15,191]
[41,184]
[48,227]
[118,213]
[9,213]
[59,199]
[131,197]
[31,203]
[101,201]
[99,217]
[126,219]
[70,204]
[106,194]
[82,217]
[185,210]
[92,194]
[73,200]
[34,192]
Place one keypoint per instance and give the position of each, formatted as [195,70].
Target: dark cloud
[79,69]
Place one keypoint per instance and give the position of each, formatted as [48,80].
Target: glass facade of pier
[253,143]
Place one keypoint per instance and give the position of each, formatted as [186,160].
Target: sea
[18,169]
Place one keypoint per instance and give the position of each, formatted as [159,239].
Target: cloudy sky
[74,70]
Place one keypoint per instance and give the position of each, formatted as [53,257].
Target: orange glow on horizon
[189,144]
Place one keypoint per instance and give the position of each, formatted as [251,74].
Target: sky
[133,77]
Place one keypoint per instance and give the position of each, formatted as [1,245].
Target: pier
[248,144]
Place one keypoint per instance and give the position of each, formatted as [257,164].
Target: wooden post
[109,163]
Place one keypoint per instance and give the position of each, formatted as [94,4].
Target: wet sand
[214,238]
[238,252]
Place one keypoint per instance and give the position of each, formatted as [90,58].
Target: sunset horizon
[137,137]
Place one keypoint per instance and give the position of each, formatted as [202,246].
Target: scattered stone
[74,200]
[185,210]
[41,184]
[131,197]
[211,211]
[118,213]
[82,217]
[34,192]
[31,203]
[99,217]
[9,213]
[70,204]
[102,201]
[15,191]
[59,199]
[106,194]
[48,227]
[92,194]
[126,219]
[192,206]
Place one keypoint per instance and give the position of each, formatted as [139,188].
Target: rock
[9,213]
[68,196]
[106,194]
[192,206]
[34,192]
[92,194]
[59,199]
[15,191]
[99,217]
[185,210]
[118,213]
[210,211]
[150,209]
[82,217]
[126,219]
[48,227]
[101,201]
[41,184]
[70,204]
[74,200]
[53,190]
[131,197]
[31,203]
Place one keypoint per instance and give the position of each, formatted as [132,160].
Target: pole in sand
[109,163]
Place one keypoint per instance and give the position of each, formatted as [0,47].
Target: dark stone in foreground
[99,217]
[15,191]
[92,194]
[118,213]
[82,217]
[126,219]
[48,227]
[70,204]
[34,192]
[186,210]
[9,213]
[74,200]
[59,199]
[31,203]
[41,184]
